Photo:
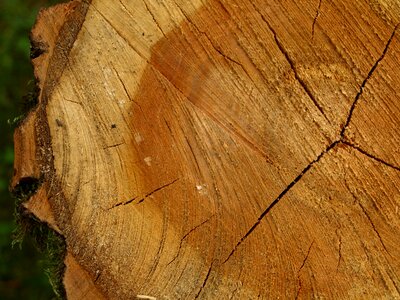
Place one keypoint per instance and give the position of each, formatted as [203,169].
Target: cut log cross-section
[218,149]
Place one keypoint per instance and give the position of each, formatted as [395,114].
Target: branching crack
[316,18]
[251,144]
[292,64]
[340,140]
[283,193]
[204,282]
[186,235]
[371,156]
[363,84]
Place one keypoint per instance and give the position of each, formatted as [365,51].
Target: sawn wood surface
[219,149]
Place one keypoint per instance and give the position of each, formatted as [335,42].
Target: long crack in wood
[365,81]
[377,159]
[122,203]
[292,64]
[276,201]
[316,18]
[157,190]
[154,19]
[144,197]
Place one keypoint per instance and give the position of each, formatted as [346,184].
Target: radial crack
[292,64]
[283,193]
[371,156]
[339,251]
[154,19]
[365,81]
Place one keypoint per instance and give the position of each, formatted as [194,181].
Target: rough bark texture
[219,149]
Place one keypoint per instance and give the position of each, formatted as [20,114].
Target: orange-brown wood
[219,149]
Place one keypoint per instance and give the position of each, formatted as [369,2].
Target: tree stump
[218,149]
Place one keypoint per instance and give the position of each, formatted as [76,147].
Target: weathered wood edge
[52,38]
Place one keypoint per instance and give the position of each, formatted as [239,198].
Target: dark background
[22,269]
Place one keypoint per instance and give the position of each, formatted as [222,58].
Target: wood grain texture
[219,149]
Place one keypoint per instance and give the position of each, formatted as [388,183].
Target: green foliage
[21,271]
